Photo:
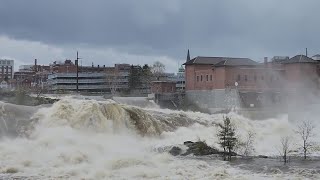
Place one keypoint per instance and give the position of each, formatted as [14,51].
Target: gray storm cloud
[247,28]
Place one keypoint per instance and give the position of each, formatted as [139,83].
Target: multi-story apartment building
[63,77]
[68,81]
[6,69]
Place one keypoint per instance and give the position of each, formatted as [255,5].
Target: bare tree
[305,130]
[112,82]
[285,148]
[158,69]
[248,144]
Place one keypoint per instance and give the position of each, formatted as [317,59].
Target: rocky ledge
[199,148]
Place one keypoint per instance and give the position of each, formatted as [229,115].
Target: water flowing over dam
[113,139]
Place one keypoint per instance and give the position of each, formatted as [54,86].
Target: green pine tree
[134,77]
[227,138]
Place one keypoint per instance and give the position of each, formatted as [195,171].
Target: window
[197,78]
[210,77]
[201,78]
[207,77]
[239,77]
[246,78]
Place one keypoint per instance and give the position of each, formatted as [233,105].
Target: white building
[316,57]
[181,81]
[6,69]
[26,68]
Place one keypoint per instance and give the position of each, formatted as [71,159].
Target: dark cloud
[228,28]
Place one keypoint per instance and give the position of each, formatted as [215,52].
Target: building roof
[299,59]
[221,61]
[237,62]
[317,55]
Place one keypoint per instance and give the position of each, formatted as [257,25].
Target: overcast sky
[142,31]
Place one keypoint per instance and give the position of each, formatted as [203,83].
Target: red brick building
[208,73]
[209,78]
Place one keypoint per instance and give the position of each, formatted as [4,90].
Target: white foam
[64,144]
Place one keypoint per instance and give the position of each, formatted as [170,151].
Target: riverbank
[23,98]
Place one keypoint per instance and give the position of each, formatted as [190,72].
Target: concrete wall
[214,100]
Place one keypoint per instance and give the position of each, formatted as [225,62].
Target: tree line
[142,76]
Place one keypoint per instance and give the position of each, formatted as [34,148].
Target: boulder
[199,148]
[175,151]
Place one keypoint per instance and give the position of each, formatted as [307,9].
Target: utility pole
[77,64]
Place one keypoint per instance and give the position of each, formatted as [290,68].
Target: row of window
[255,78]
[91,84]
[5,62]
[5,71]
[9,77]
[207,78]
[245,78]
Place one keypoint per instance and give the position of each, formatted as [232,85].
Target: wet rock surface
[199,148]
[175,151]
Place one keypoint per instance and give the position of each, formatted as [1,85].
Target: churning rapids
[92,139]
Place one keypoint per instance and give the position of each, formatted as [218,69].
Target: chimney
[265,60]
[98,66]
[104,66]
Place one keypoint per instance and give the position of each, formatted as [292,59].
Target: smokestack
[307,52]
[104,66]
[98,66]
[265,60]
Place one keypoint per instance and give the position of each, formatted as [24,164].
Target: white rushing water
[92,139]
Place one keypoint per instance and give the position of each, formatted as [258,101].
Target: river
[83,138]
